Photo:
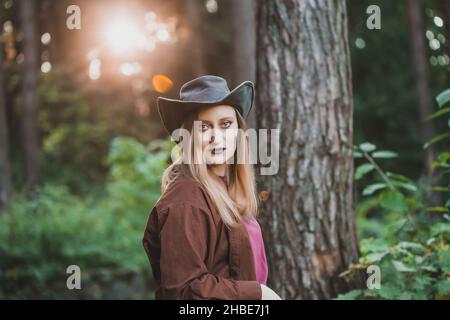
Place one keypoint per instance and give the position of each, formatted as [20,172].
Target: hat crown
[204,89]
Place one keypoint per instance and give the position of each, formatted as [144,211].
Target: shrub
[42,235]
[403,233]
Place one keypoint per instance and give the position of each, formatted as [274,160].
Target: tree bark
[304,89]
[195,44]
[29,92]
[420,62]
[5,167]
[244,41]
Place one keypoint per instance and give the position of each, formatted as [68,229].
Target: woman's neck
[219,169]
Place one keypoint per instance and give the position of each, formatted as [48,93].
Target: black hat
[204,91]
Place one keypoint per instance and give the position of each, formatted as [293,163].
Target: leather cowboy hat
[204,91]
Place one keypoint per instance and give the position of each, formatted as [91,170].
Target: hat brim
[173,111]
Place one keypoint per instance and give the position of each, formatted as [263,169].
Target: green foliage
[401,232]
[409,269]
[136,170]
[41,236]
[77,126]
[70,133]
[385,96]
[384,105]
[410,246]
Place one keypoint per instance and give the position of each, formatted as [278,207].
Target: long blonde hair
[241,198]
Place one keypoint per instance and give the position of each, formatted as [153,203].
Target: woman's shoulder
[183,190]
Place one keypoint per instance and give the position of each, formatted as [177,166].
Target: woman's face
[219,133]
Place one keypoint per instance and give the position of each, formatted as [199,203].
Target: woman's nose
[216,135]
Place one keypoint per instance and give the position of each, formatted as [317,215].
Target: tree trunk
[195,42]
[29,92]
[420,62]
[304,89]
[243,31]
[5,168]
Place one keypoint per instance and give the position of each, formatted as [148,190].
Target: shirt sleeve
[184,248]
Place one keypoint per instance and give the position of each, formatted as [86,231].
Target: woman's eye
[226,124]
[204,127]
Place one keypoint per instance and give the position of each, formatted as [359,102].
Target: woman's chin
[216,160]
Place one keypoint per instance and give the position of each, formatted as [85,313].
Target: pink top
[259,253]
[257,244]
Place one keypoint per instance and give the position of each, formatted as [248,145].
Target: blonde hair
[241,198]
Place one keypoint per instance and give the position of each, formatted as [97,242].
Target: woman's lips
[218,150]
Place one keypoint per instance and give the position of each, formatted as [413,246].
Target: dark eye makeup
[225,124]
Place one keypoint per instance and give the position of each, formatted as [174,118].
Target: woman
[202,237]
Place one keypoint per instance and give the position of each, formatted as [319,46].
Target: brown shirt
[192,253]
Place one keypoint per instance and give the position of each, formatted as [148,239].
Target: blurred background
[82,150]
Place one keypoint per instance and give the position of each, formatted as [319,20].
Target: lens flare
[161,83]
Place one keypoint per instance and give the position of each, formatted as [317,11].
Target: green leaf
[439,228]
[370,189]
[443,287]
[436,139]
[389,292]
[357,154]
[376,256]
[439,164]
[444,260]
[373,245]
[410,245]
[384,154]
[398,176]
[367,147]
[441,189]
[429,268]
[438,113]
[393,200]
[438,209]
[394,227]
[401,267]
[443,98]
[430,241]
[404,185]
[444,156]
[351,295]
[345,273]
[363,169]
